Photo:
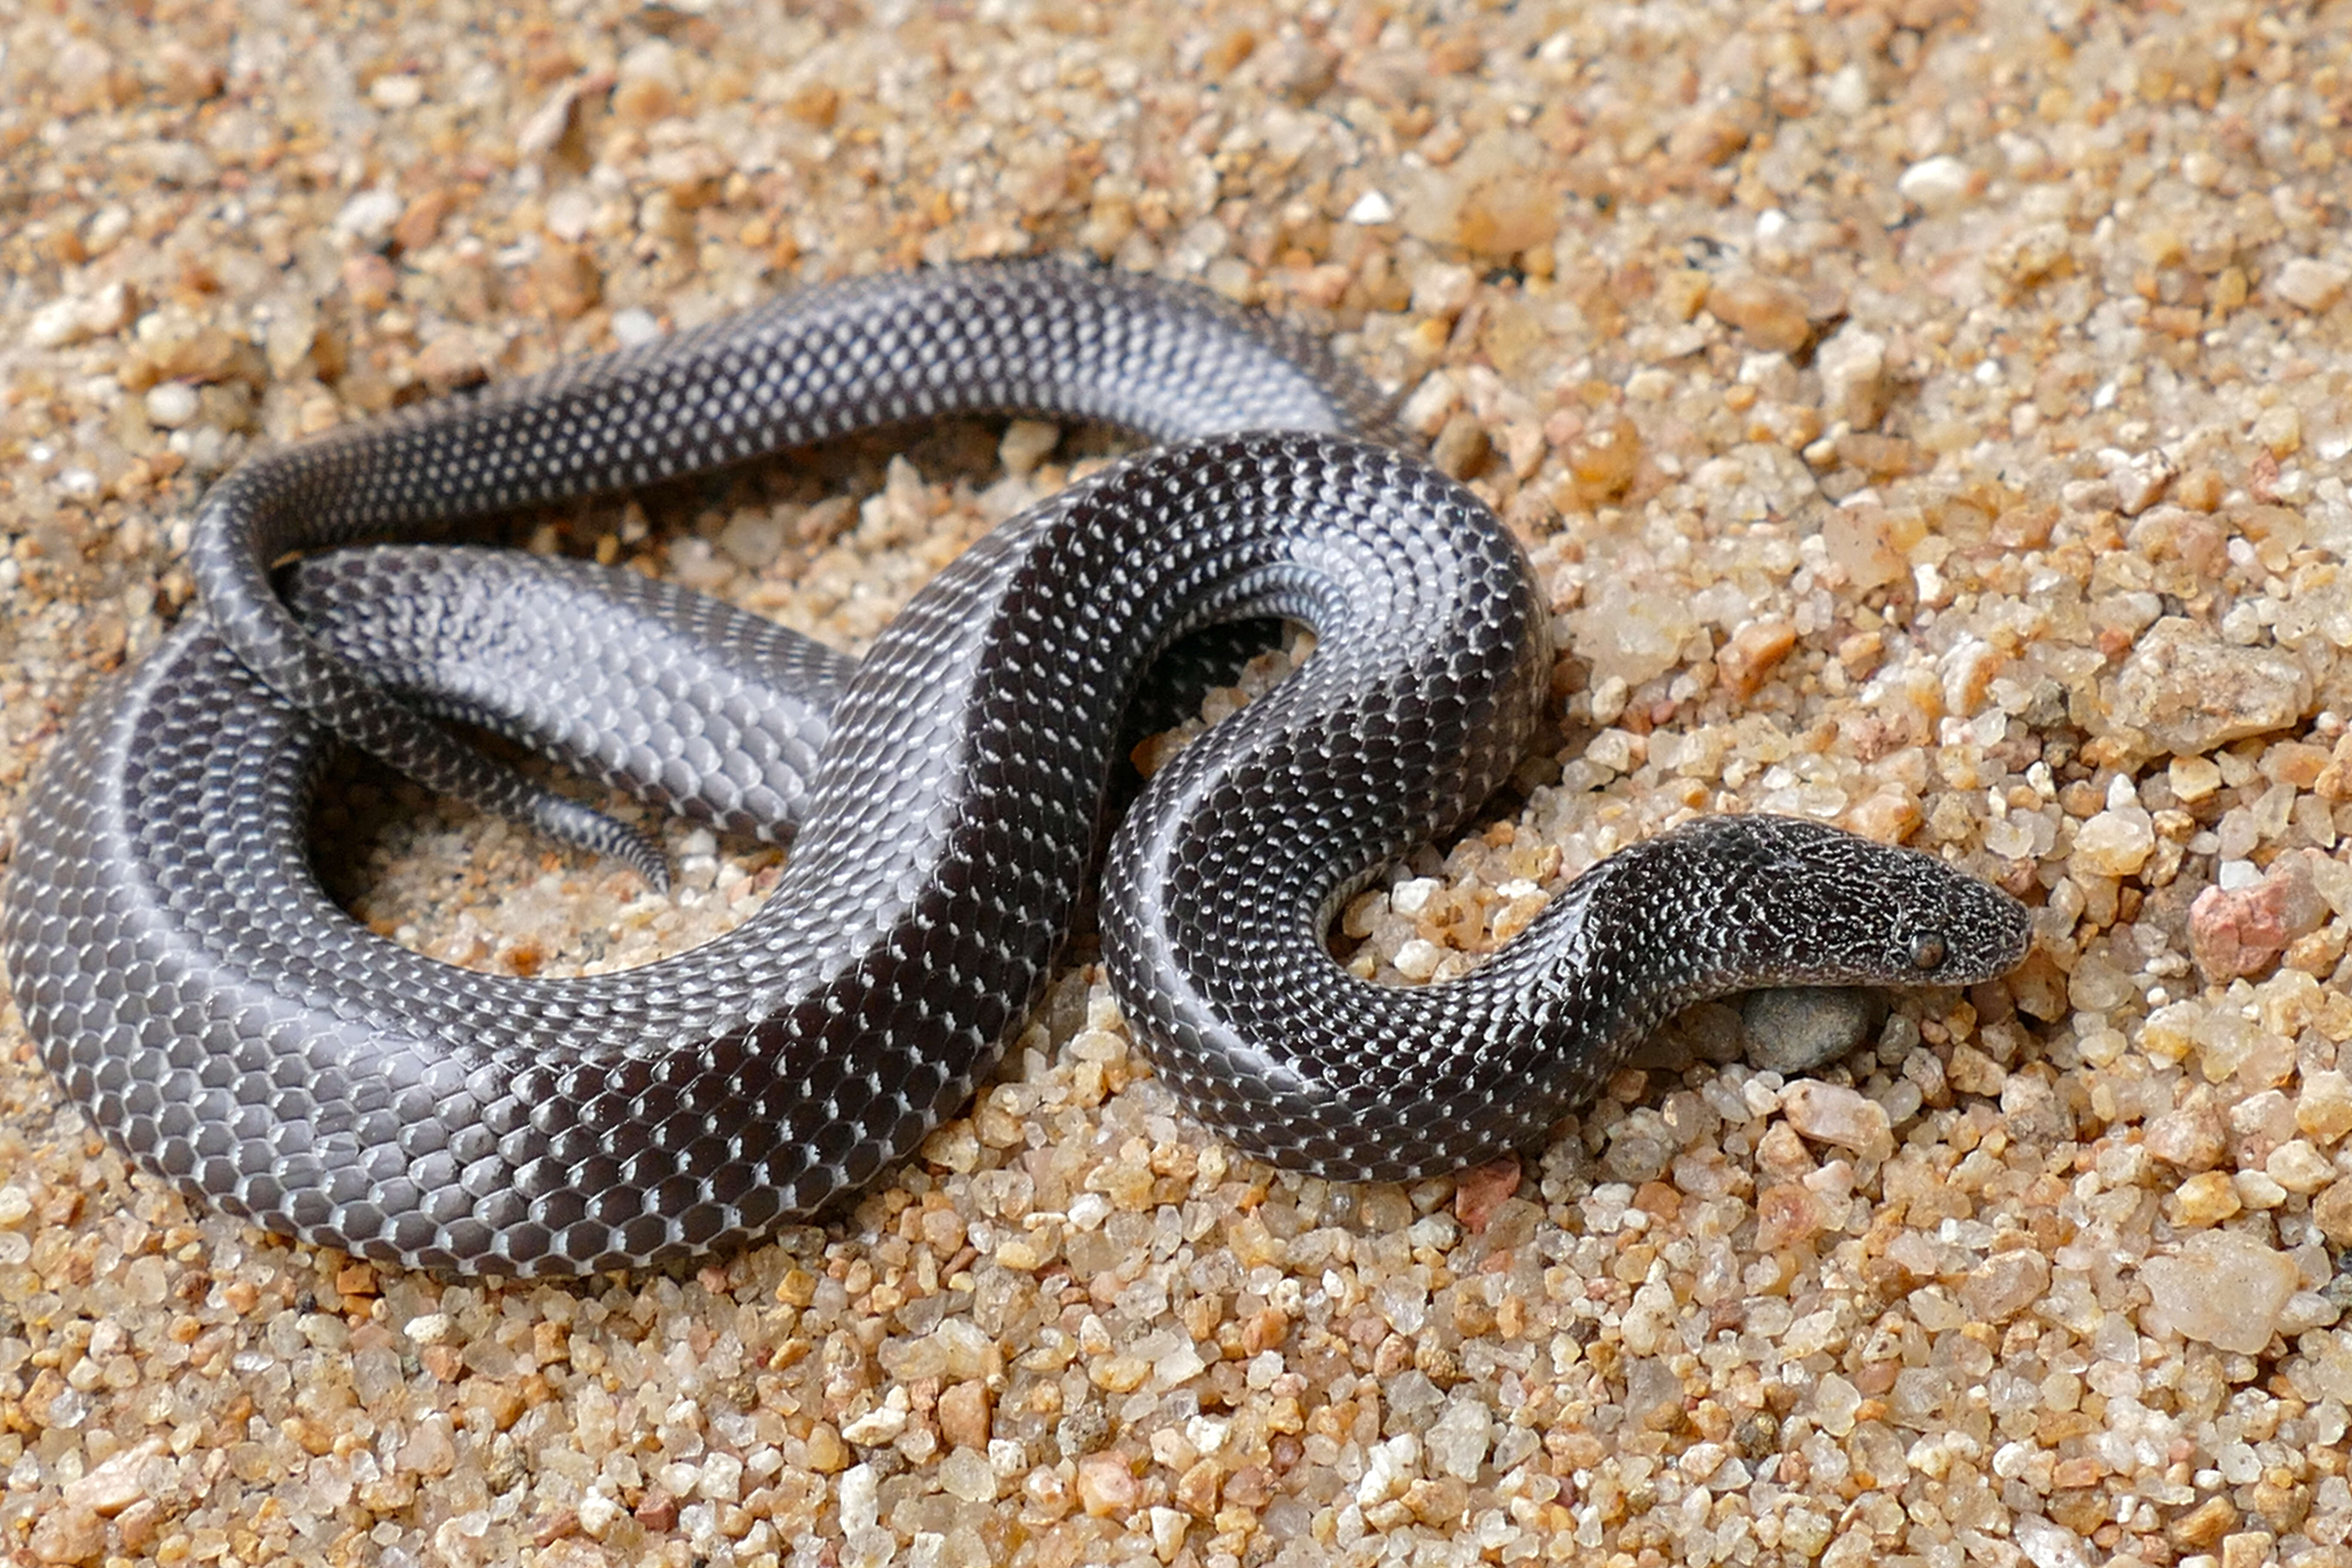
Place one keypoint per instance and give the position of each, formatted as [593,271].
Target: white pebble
[431,1328]
[2222,1288]
[1849,91]
[1619,751]
[1852,366]
[2310,285]
[368,216]
[1371,207]
[1431,405]
[171,403]
[399,90]
[2115,843]
[1167,1527]
[1026,444]
[1412,896]
[1443,290]
[1937,184]
[2140,481]
[1827,1113]
[70,320]
[1387,1469]
[2049,1544]
[965,1474]
[1418,959]
[882,1424]
[115,1485]
[861,1499]
[635,325]
[1458,1439]
[596,1513]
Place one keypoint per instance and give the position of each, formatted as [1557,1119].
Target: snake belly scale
[197,993]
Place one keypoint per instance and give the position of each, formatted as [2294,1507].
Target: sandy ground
[1927,417]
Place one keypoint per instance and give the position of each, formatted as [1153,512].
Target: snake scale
[197,994]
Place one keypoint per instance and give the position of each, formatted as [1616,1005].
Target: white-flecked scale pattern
[194,989]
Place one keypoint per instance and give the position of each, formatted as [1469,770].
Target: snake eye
[1927,951]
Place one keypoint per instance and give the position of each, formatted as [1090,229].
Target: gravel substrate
[1929,418]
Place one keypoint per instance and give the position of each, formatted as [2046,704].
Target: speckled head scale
[194,989]
[1826,908]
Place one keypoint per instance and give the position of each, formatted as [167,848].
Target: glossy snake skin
[195,992]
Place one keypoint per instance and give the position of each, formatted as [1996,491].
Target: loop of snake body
[194,989]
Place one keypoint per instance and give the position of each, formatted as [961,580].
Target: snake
[197,994]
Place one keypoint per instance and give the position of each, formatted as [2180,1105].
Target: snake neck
[1652,929]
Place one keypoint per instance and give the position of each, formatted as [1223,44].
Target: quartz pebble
[2311,285]
[1829,1114]
[2222,1289]
[1937,183]
[2115,843]
[116,1484]
[2189,691]
[75,318]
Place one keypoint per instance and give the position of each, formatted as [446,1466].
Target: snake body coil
[193,988]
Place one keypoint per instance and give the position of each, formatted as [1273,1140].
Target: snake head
[1805,904]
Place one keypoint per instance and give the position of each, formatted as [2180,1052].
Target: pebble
[1107,1485]
[2140,481]
[2311,285]
[171,403]
[635,326]
[1753,652]
[1795,1029]
[565,281]
[1938,184]
[963,1415]
[2221,1288]
[860,1495]
[597,1513]
[2323,1109]
[2006,1284]
[115,1485]
[77,319]
[2189,692]
[2298,1167]
[1827,1113]
[368,216]
[1458,1439]
[1851,363]
[67,1534]
[2234,932]
[1443,290]
[1769,314]
[1026,444]
[2189,1138]
[2115,843]
[1481,1190]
